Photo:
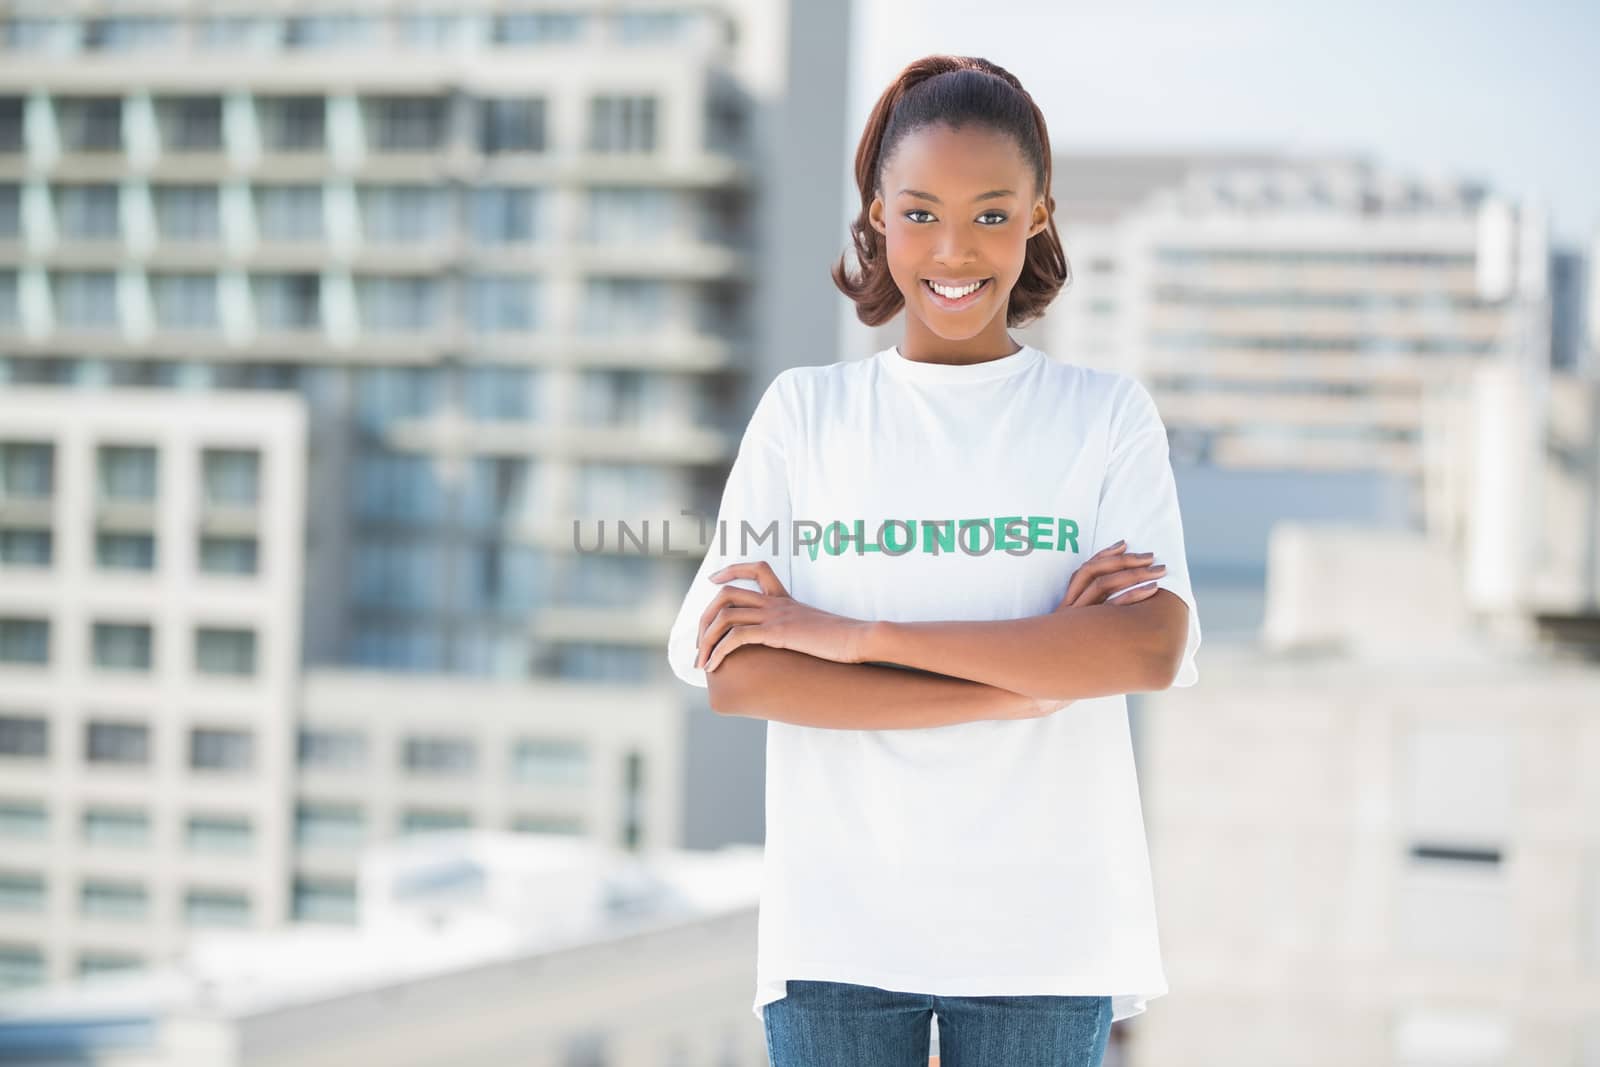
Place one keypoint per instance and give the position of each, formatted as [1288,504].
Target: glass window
[86,299]
[619,215]
[324,900]
[402,214]
[332,749]
[399,485]
[330,31]
[24,737]
[162,373]
[185,301]
[511,125]
[114,900]
[21,892]
[92,965]
[10,211]
[123,645]
[622,124]
[10,123]
[125,551]
[432,30]
[231,834]
[418,821]
[548,824]
[394,573]
[213,749]
[648,27]
[494,393]
[288,301]
[89,212]
[24,641]
[223,650]
[621,306]
[238,31]
[606,581]
[26,547]
[500,304]
[20,967]
[500,577]
[232,476]
[10,310]
[538,27]
[292,123]
[595,662]
[498,490]
[289,212]
[190,123]
[27,470]
[502,215]
[187,212]
[126,34]
[90,123]
[549,761]
[406,123]
[384,394]
[110,826]
[397,646]
[20,819]
[117,742]
[397,304]
[216,908]
[228,555]
[127,472]
[339,825]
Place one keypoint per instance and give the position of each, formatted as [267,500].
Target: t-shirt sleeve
[757,493]
[1139,503]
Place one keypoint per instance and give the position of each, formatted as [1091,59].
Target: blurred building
[476,948]
[505,267]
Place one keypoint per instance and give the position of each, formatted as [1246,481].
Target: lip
[955,305]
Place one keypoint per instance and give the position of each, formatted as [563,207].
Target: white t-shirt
[988,858]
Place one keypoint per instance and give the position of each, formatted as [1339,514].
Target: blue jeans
[838,1024]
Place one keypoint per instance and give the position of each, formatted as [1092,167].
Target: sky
[1490,92]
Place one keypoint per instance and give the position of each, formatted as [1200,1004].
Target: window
[113,900]
[606,581]
[397,304]
[22,820]
[212,749]
[623,306]
[421,822]
[397,646]
[187,212]
[289,212]
[20,891]
[10,310]
[502,215]
[398,485]
[125,551]
[324,900]
[592,661]
[494,393]
[185,301]
[292,123]
[127,473]
[10,123]
[621,398]
[10,211]
[20,967]
[228,555]
[548,761]
[402,214]
[332,749]
[92,965]
[330,31]
[220,650]
[238,31]
[440,755]
[24,641]
[500,578]
[216,908]
[88,212]
[406,123]
[384,394]
[86,299]
[391,572]
[161,373]
[623,215]
[622,124]
[288,301]
[332,825]
[232,477]
[221,834]
[190,123]
[27,470]
[24,737]
[90,123]
[537,27]
[508,125]
[118,742]
[500,304]
[124,34]
[119,828]
[548,824]
[26,547]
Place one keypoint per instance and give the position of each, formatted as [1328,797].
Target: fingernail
[1159,567]
[1121,542]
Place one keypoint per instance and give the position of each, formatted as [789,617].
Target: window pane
[27,470]
[88,212]
[292,123]
[221,750]
[232,476]
[289,212]
[26,548]
[225,834]
[117,742]
[225,651]
[127,473]
[185,301]
[190,123]
[24,641]
[104,826]
[228,555]
[187,212]
[27,738]
[125,551]
[86,299]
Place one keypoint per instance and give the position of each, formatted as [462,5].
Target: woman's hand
[1107,573]
[737,617]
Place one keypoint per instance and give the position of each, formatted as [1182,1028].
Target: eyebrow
[990,195]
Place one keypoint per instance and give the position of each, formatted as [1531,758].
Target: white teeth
[953,294]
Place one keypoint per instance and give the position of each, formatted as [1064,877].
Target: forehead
[939,158]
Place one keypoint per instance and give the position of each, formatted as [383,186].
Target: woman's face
[957,207]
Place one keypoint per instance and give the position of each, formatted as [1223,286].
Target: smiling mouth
[958,302]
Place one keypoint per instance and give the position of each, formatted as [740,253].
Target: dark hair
[951,91]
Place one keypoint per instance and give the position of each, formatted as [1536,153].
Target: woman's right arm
[761,682]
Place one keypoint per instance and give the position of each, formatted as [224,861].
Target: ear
[1041,219]
[875,216]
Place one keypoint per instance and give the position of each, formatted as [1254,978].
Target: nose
[951,249]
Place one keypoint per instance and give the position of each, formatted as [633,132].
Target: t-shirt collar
[893,362]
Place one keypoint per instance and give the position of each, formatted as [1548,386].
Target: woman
[920,579]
